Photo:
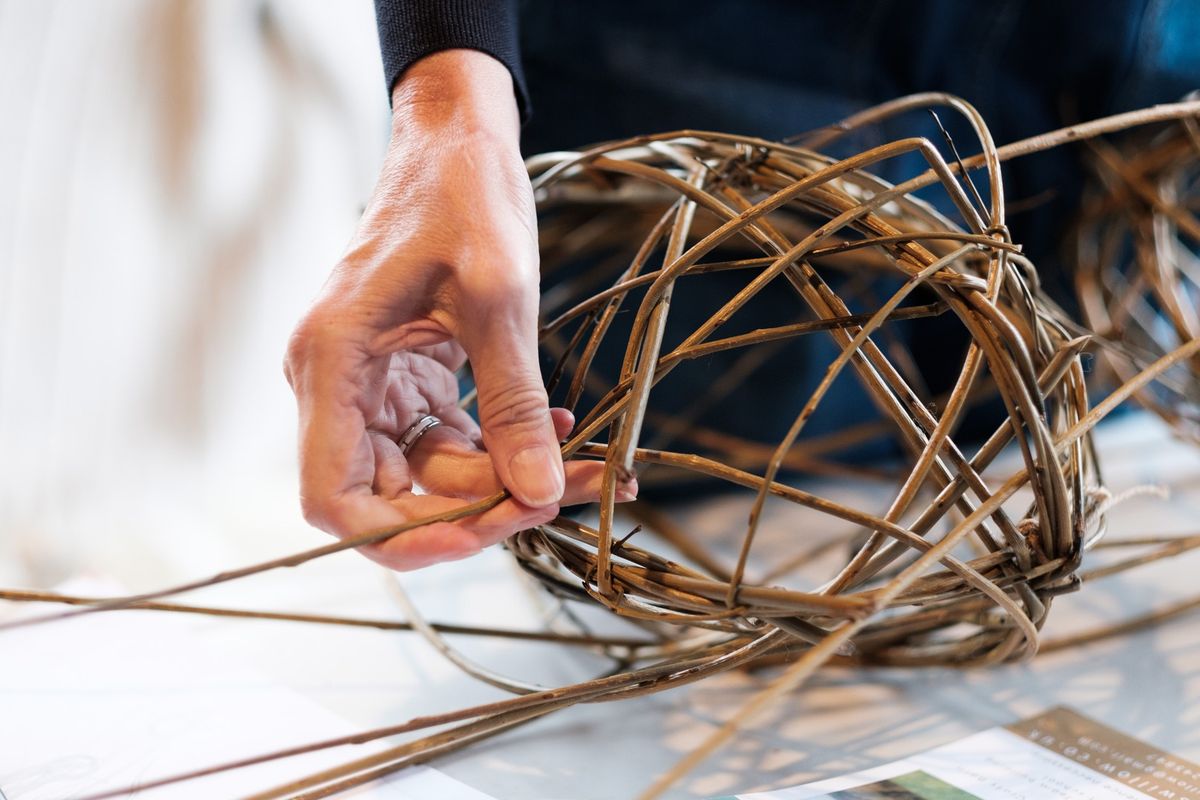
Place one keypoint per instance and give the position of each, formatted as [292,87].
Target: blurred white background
[177,177]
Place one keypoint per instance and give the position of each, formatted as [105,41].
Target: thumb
[514,414]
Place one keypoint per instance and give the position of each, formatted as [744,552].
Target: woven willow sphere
[1138,263]
[813,279]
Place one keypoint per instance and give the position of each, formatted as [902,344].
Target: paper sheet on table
[110,700]
[1059,755]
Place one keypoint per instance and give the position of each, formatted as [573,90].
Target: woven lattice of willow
[1138,263]
[711,196]
[960,564]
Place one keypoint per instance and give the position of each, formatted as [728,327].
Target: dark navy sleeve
[412,29]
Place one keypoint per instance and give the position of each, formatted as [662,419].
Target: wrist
[467,90]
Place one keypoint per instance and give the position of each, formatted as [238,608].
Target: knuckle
[506,293]
[315,332]
[327,513]
[522,407]
[315,512]
[302,341]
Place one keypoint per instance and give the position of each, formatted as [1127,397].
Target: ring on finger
[408,440]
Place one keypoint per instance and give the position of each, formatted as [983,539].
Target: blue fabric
[613,69]
[774,68]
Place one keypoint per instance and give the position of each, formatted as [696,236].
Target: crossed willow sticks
[1138,275]
[948,573]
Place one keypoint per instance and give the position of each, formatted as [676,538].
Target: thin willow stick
[684,668]
[295,560]
[28,596]
[1138,624]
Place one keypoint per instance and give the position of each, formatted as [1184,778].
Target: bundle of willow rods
[962,565]
[1138,263]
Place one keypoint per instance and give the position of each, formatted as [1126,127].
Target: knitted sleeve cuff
[412,29]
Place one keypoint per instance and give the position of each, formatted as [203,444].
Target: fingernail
[627,491]
[537,476]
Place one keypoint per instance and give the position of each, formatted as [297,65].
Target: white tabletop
[1147,684]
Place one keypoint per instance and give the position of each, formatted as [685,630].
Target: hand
[443,267]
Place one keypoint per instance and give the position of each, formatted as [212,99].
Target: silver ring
[408,440]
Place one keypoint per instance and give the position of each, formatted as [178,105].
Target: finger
[446,541]
[338,386]
[460,420]
[451,414]
[584,478]
[449,354]
[424,546]
[443,462]
[392,476]
[416,385]
[518,431]
[564,423]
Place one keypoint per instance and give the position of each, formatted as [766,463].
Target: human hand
[443,267]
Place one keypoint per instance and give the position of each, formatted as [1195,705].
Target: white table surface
[1147,685]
